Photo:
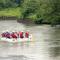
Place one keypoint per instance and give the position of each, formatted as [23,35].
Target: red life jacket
[14,35]
[3,34]
[27,34]
[6,34]
[17,34]
[21,34]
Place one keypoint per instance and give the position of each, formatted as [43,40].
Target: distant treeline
[37,10]
[10,3]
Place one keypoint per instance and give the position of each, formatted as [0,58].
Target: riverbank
[28,21]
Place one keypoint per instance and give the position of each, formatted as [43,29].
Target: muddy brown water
[46,45]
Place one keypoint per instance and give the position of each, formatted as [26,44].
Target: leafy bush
[48,10]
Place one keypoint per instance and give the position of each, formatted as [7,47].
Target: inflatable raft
[16,40]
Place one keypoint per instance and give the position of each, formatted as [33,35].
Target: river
[45,45]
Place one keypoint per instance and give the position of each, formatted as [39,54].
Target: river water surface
[45,45]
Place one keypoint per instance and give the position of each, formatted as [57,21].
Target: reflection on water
[21,44]
[16,57]
[46,45]
[55,51]
[55,43]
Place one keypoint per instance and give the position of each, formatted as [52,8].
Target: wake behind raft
[15,37]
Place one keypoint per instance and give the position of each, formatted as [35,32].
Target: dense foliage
[47,11]
[9,3]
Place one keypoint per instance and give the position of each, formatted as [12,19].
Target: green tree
[48,10]
[29,7]
[8,3]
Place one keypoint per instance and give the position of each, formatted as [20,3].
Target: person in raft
[14,35]
[21,35]
[6,34]
[27,35]
[3,34]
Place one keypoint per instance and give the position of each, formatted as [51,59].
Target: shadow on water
[55,51]
[55,43]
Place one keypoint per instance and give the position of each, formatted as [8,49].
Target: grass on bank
[10,12]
